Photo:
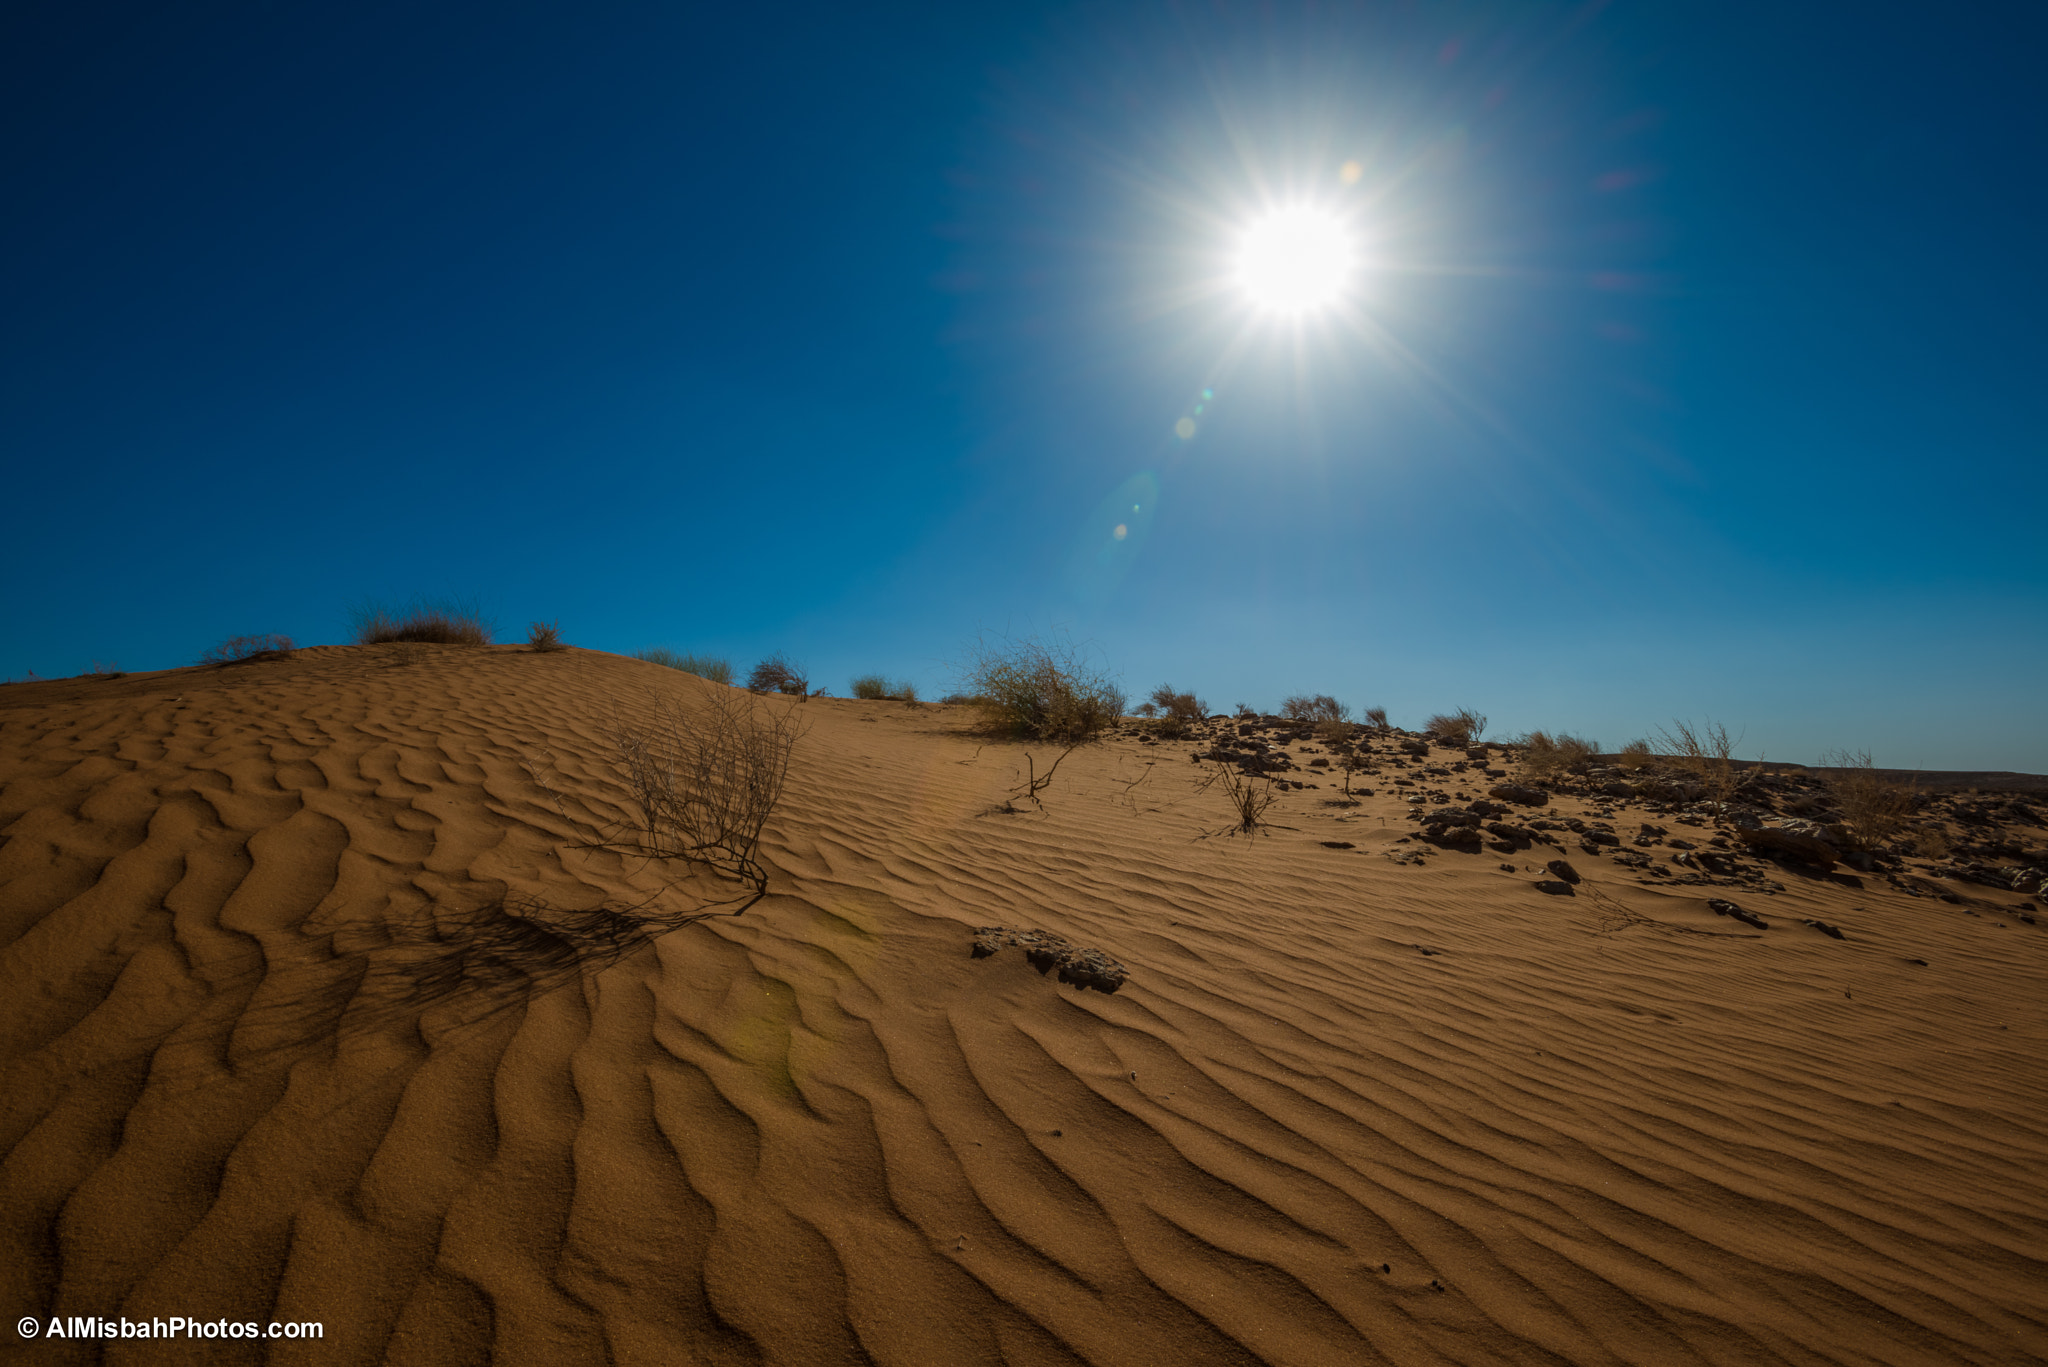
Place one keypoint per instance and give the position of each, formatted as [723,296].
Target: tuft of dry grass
[545,637]
[707,667]
[1931,842]
[427,623]
[105,670]
[1707,752]
[1376,718]
[1461,727]
[879,688]
[241,649]
[1314,707]
[1544,755]
[1637,754]
[1873,807]
[1042,689]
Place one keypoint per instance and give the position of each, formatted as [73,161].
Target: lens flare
[1294,260]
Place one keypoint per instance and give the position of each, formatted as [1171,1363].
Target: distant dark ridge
[1926,780]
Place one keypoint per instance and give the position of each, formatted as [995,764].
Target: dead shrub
[544,637]
[706,778]
[1314,707]
[1637,754]
[778,674]
[1045,690]
[1376,718]
[1249,796]
[1873,806]
[1461,727]
[240,649]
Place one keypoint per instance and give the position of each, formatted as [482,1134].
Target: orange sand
[271,1051]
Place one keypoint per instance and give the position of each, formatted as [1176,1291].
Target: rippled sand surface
[297,1022]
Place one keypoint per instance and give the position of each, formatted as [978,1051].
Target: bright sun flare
[1295,259]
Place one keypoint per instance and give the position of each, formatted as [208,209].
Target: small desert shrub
[1245,712]
[1376,718]
[1183,707]
[545,636]
[1637,754]
[1873,807]
[1041,689]
[1931,842]
[963,700]
[442,624]
[1148,709]
[706,667]
[875,687]
[1461,727]
[1544,754]
[1707,752]
[779,674]
[105,670]
[1319,707]
[1178,712]
[236,649]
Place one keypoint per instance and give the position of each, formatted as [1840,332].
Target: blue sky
[1692,370]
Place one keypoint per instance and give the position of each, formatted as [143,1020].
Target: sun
[1294,260]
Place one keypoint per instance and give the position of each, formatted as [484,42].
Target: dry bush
[779,674]
[1179,713]
[1376,718]
[1333,732]
[107,669]
[1314,707]
[1044,690]
[1544,755]
[1931,842]
[874,687]
[1249,796]
[545,637]
[1873,807]
[1245,712]
[236,649]
[1637,754]
[1461,727]
[707,667]
[1707,752]
[442,624]
[706,778]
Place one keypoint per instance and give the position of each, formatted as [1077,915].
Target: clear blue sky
[1695,368]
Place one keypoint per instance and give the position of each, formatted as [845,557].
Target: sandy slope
[273,1049]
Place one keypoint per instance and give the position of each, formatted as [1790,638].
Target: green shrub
[1041,689]
[877,688]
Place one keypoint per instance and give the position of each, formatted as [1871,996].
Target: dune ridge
[306,1017]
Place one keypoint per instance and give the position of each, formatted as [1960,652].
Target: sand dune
[300,1022]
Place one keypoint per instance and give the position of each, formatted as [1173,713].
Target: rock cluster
[1046,951]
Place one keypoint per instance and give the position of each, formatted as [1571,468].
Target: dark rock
[1519,793]
[1723,907]
[1832,932]
[1338,845]
[1562,869]
[1808,849]
[1600,837]
[1047,951]
[1554,888]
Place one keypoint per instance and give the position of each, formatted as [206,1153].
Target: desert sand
[300,1024]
